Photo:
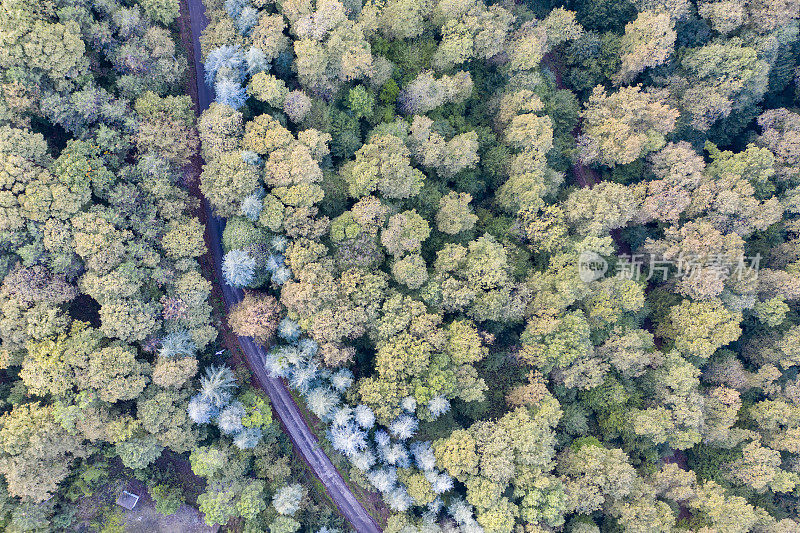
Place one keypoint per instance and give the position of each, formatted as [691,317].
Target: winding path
[286,409]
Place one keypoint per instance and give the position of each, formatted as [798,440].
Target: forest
[526,266]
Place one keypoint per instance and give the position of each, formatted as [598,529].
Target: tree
[779,132]
[699,328]
[331,50]
[630,352]
[477,277]
[163,11]
[648,42]
[704,250]
[383,164]
[139,452]
[267,88]
[426,92]
[297,106]
[549,344]
[268,35]
[361,101]
[239,498]
[679,171]
[677,412]
[410,270]
[36,451]
[604,207]
[166,127]
[184,238]
[40,48]
[621,127]
[163,414]
[592,474]
[287,499]
[256,316]
[474,32]
[220,128]
[720,77]
[725,17]
[448,158]
[405,233]
[456,454]
[129,319]
[455,215]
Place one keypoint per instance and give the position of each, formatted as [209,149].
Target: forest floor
[145,519]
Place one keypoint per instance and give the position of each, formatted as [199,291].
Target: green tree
[36,452]
[623,126]
[699,328]
[163,11]
[648,41]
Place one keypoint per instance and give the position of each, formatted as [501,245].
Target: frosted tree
[247,438]
[363,460]
[348,440]
[423,455]
[279,243]
[343,416]
[200,410]
[216,385]
[321,401]
[252,158]
[435,507]
[440,482]
[461,511]
[176,345]
[438,405]
[251,206]
[382,438]
[342,380]
[225,62]
[256,61]
[276,364]
[230,93]
[287,499]
[293,355]
[229,419]
[288,330]
[395,455]
[234,7]
[308,347]
[273,263]
[281,275]
[404,427]
[409,403]
[383,479]
[399,500]
[303,377]
[364,416]
[246,20]
[238,268]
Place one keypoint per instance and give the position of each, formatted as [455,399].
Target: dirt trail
[287,411]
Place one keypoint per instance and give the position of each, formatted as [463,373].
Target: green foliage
[415,188]
[360,101]
[167,498]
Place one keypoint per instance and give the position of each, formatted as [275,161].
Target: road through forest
[286,409]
